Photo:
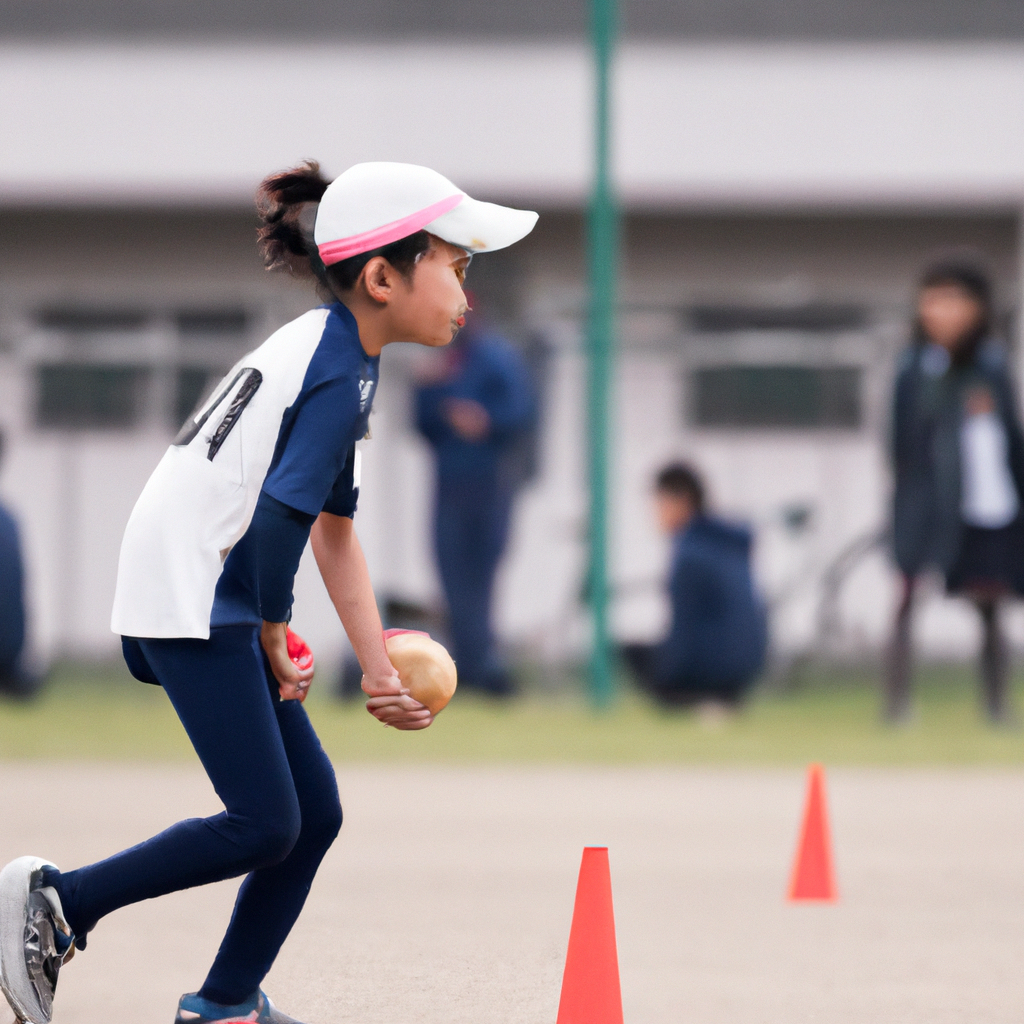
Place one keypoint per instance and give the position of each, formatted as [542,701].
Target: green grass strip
[826,715]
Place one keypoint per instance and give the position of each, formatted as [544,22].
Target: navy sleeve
[280,533]
[314,446]
[901,427]
[344,494]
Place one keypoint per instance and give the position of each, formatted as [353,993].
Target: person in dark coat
[717,640]
[14,679]
[473,413]
[958,458]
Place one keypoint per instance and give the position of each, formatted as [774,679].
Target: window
[204,324]
[90,396]
[78,320]
[815,318]
[776,396]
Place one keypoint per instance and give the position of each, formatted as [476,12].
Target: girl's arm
[343,568]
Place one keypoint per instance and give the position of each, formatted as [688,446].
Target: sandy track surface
[449,894]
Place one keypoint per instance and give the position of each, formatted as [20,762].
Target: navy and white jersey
[283,422]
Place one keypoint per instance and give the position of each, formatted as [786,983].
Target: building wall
[749,125]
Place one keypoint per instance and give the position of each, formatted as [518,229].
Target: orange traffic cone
[813,877]
[590,985]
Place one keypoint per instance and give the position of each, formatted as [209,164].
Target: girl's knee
[275,841]
[320,828]
[321,805]
[272,836]
[314,827]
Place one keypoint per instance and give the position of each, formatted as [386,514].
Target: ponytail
[284,241]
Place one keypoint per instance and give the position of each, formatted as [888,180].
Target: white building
[784,172]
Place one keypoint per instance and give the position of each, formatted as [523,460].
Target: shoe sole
[15,880]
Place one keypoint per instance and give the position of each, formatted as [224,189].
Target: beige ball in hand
[424,666]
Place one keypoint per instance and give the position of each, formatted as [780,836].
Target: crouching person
[716,644]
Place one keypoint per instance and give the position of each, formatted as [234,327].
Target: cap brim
[482,227]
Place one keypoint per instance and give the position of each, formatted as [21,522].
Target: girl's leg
[994,667]
[271,898]
[219,689]
[898,663]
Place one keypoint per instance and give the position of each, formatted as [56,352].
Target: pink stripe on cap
[344,248]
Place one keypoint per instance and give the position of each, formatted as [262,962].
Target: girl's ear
[377,279]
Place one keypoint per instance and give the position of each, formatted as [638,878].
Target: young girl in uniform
[958,458]
[204,588]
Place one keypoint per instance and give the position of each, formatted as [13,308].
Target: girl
[204,587]
[958,453]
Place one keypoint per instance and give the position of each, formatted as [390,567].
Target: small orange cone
[590,985]
[813,876]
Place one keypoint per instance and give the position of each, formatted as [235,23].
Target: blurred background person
[15,680]
[958,456]
[717,640]
[474,405]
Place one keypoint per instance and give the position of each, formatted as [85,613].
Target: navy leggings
[281,808]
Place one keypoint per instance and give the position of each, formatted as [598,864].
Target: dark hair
[966,270]
[681,481]
[286,204]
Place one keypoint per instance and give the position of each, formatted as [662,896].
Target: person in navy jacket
[716,643]
[473,414]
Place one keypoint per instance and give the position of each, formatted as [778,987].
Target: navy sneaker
[35,940]
[259,1009]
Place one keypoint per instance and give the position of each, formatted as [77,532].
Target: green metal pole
[602,260]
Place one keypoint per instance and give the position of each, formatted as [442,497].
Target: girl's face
[430,307]
[948,314]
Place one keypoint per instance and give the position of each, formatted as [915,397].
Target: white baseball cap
[375,204]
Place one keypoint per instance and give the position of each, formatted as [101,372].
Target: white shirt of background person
[988,494]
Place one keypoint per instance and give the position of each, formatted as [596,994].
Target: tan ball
[424,666]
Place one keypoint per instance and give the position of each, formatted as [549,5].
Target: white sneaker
[34,939]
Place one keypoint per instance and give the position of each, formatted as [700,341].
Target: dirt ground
[448,896]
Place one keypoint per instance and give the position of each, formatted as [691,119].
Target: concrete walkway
[448,897]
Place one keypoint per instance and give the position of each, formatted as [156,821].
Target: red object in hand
[299,652]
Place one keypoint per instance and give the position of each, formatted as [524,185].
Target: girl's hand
[293,682]
[391,704]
